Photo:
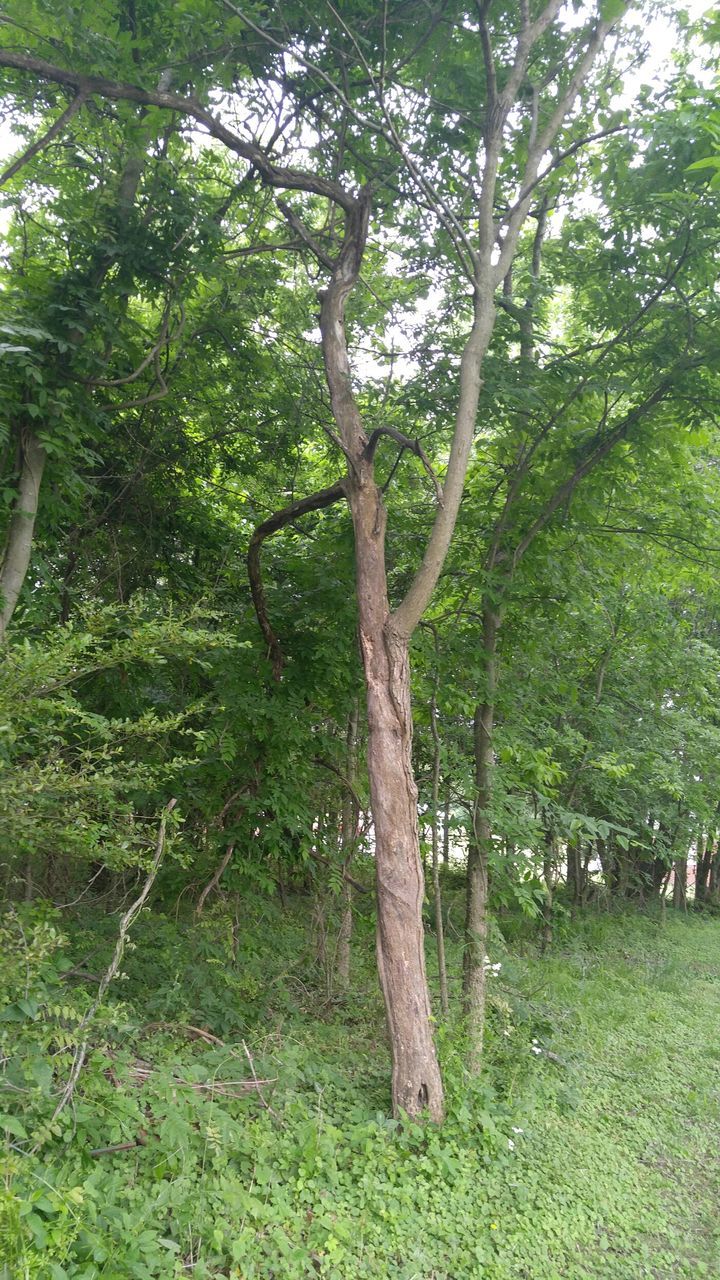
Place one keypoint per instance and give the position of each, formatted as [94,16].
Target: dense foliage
[259,265]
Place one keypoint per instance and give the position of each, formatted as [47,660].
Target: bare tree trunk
[21,531]
[416,1082]
[572,878]
[446,833]
[349,835]
[712,888]
[479,849]
[434,805]
[215,879]
[680,884]
[584,863]
[703,859]
[549,876]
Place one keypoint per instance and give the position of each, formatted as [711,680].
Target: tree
[362,97]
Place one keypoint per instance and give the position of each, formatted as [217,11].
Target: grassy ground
[590,1149]
[623,1152]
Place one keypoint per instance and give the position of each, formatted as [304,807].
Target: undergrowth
[251,1106]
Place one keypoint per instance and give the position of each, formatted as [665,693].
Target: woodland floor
[596,1158]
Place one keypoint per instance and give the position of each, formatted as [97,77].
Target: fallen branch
[258,1084]
[195,1033]
[141,1071]
[119,1146]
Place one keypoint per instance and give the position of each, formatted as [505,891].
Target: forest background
[360,496]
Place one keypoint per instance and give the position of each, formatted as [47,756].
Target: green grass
[614,1175]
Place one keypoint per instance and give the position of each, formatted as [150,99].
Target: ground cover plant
[589,1147]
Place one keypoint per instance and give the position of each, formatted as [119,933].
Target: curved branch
[274,175]
[333,768]
[315,502]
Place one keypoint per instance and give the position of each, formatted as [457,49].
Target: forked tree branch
[315,502]
[413,446]
[489,274]
[543,141]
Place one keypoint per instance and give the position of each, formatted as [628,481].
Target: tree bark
[434,806]
[21,531]
[572,856]
[479,849]
[680,884]
[446,834]
[348,837]
[703,860]
[416,1082]
[384,645]
[549,876]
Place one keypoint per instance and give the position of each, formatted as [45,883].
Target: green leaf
[12,1125]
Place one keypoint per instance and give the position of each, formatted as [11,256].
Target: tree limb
[274,175]
[41,143]
[603,446]
[214,880]
[413,446]
[315,502]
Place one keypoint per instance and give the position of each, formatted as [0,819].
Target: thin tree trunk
[680,884]
[434,805]
[703,859]
[712,877]
[416,1082]
[215,878]
[29,880]
[584,871]
[549,876]
[21,531]
[572,878]
[446,834]
[479,849]
[349,834]
[384,645]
